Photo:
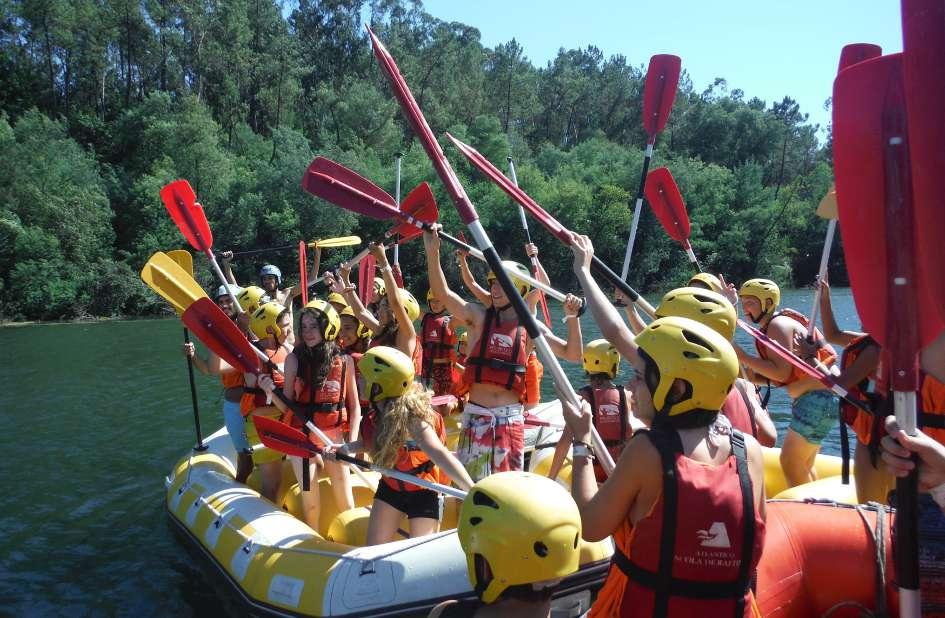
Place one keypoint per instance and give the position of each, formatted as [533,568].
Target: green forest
[103,103]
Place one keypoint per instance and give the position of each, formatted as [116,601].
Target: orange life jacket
[864,425]
[437,340]
[326,406]
[255,397]
[932,416]
[695,552]
[499,357]
[825,354]
[410,458]
[232,379]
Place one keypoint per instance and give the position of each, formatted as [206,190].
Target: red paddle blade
[219,333]
[857,52]
[366,272]
[181,203]
[420,205]
[664,197]
[303,271]
[283,438]
[875,206]
[923,31]
[410,108]
[347,189]
[496,176]
[659,90]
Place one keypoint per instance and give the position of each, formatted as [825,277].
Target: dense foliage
[102,103]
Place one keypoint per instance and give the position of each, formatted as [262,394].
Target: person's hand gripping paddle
[659,91]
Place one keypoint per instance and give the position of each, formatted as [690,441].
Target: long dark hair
[315,361]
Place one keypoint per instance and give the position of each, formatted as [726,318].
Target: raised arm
[572,348]
[481,293]
[225,258]
[832,332]
[470,313]
[611,326]
[343,286]
[406,333]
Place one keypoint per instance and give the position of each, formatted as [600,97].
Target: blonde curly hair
[393,426]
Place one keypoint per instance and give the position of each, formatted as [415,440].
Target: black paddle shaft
[193,397]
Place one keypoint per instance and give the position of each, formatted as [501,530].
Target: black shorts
[419,503]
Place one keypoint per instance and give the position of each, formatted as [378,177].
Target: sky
[768,48]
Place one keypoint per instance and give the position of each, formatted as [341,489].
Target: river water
[96,415]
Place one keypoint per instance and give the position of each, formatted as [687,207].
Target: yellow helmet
[705,279]
[251,297]
[762,289]
[430,295]
[518,528]
[703,306]
[685,349]
[337,299]
[600,356]
[363,331]
[410,304]
[379,286]
[327,318]
[266,317]
[520,284]
[387,373]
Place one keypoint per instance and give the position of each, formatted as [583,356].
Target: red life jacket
[825,354]
[326,406]
[863,424]
[255,397]
[611,415]
[499,356]
[739,412]
[932,416]
[410,458]
[437,339]
[695,552]
[232,379]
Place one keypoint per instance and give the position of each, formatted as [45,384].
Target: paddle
[367,268]
[667,203]
[550,223]
[303,271]
[325,243]
[181,203]
[280,437]
[185,260]
[467,213]
[397,274]
[659,90]
[166,277]
[347,189]
[796,362]
[923,33]
[874,195]
[528,239]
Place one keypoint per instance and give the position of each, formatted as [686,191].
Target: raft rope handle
[879,542]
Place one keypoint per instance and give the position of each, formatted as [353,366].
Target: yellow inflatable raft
[278,565]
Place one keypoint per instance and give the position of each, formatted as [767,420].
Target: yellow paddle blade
[173,283]
[184,259]
[828,206]
[341,241]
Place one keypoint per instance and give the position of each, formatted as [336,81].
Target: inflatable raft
[278,565]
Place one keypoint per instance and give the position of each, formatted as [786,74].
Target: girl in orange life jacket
[861,374]
[813,408]
[610,406]
[742,407]
[272,324]
[689,383]
[687,540]
[232,389]
[354,339]
[319,386]
[493,435]
[396,313]
[438,341]
[402,431]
